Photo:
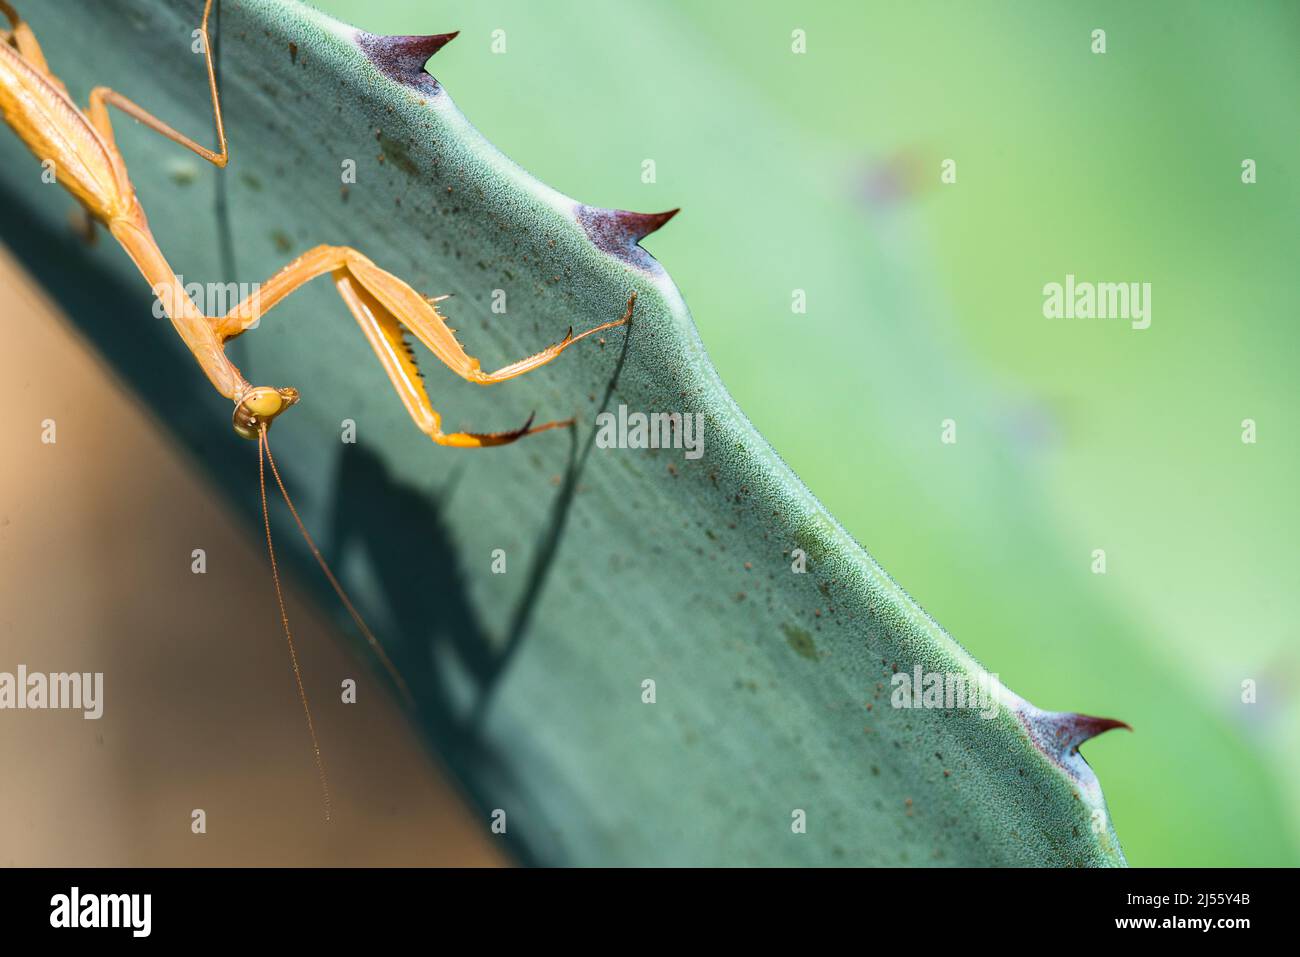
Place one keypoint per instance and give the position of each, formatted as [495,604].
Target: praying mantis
[81,148]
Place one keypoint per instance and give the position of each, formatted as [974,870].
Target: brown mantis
[82,150]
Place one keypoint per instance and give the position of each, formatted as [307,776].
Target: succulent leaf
[772,685]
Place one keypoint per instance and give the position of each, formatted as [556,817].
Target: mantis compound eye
[259,407]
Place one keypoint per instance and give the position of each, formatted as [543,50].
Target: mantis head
[259,407]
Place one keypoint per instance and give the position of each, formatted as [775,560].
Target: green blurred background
[820,172]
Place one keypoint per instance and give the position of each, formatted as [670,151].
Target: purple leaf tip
[618,231]
[1071,730]
[402,58]
[1058,734]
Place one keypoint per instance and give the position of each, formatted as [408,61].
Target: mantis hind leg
[25,42]
[101,97]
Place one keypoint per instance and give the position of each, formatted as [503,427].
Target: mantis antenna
[265,457]
[369,635]
[264,452]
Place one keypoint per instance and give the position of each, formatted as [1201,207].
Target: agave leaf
[772,689]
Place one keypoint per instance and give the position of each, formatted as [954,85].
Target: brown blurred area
[200,708]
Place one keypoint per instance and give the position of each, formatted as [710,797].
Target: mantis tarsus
[87,163]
